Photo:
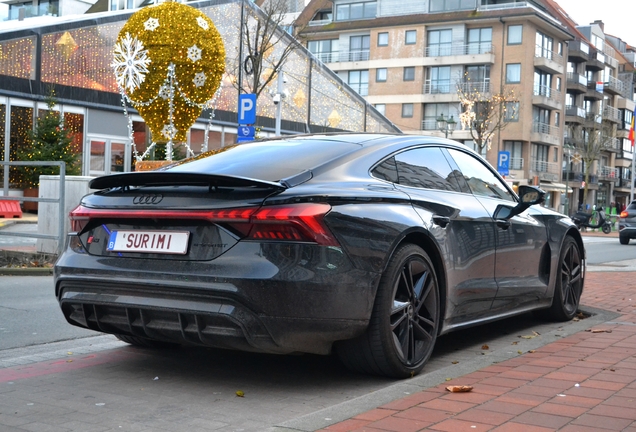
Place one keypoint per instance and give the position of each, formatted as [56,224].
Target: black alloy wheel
[405,319]
[569,283]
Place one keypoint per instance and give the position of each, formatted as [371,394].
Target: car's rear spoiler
[166,178]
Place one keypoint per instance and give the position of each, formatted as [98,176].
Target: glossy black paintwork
[282,297]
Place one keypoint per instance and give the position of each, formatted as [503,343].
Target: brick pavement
[584,382]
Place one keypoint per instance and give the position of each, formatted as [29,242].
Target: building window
[325,50]
[383,39]
[380,75]
[359,48]
[407,110]
[355,11]
[513,73]
[540,157]
[433,111]
[516,154]
[439,43]
[438,80]
[515,34]
[477,78]
[409,73]
[381,108]
[544,46]
[511,112]
[452,5]
[359,81]
[410,37]
[542,83]
[479,40]
[557,119]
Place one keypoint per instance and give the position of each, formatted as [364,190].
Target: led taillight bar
[295,222]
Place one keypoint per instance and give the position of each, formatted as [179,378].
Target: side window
[386,171]
[481,180]
[427,168]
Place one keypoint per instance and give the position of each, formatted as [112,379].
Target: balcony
[548,171]
[546,97]
[319,22]
[613,145]
[578,51]
[607,173]
[593,91]
[611,114]
[481,87]
[574,114]
[614,86]
[443,55]
[548,61]
[343,56]
[596,61]
[516,164]
[576,83]
[545,134]
[439,92]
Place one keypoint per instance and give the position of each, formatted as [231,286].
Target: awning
[555,187]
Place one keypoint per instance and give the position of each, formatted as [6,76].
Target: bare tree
[484,113]
[589,141]
[266,45]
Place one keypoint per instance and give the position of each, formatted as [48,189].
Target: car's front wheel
[405,319]
[569,282]
[623,240]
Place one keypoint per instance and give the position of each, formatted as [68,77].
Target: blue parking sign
[503,163]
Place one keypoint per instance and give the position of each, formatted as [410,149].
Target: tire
[405,319]
[145,343]
[623,240]
[569,282]
[607,228]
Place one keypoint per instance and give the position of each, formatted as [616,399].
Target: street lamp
[446,126]
[568,153]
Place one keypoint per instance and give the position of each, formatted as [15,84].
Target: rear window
[271,161]
[632,205]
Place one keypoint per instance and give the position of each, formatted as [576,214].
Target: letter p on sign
[503,162]
[247,109]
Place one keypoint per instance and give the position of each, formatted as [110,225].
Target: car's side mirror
[528,196]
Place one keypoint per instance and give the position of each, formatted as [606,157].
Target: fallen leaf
[532,351]
[454,362]
[520,352]
[599,330]
[448,379]
[459,389]
[485,347]
[240,393]
[515,343]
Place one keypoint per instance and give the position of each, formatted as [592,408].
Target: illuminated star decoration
[169,131]
[164,92]
[202,23]
[151,24]
[199,79]
[130,63]
[194,53]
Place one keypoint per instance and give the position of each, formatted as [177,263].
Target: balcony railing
[612,114]
[320,22]
[343,56]
[550,93]
[613,144]
[474,86]
[577,79]
[545,128]
[575,111]
[615,84]
[437,88]
[608,172]
[543,166]
[541,52]
[516,163]
[362,89]
[458,49]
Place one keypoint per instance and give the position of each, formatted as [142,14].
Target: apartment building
[408,58]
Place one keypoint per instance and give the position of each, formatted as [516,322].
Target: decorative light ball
[155,39]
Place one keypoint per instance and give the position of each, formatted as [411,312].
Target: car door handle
[441,220]
[504,224]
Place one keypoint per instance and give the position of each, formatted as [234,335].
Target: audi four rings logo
[148,199]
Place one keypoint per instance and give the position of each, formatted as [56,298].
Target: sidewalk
[584,382]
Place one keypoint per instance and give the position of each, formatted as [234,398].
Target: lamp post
[568,153]
[446,126]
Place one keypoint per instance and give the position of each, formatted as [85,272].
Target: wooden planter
[31,205]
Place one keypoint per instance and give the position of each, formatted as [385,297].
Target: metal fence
[61,234]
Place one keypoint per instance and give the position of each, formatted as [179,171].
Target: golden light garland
[185,63]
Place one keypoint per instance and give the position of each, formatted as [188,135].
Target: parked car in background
[366,245]
[627,224]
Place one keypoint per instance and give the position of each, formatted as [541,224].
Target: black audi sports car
[366,245]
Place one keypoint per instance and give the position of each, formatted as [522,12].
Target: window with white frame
[438,80]
[359,81]
[326,50]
